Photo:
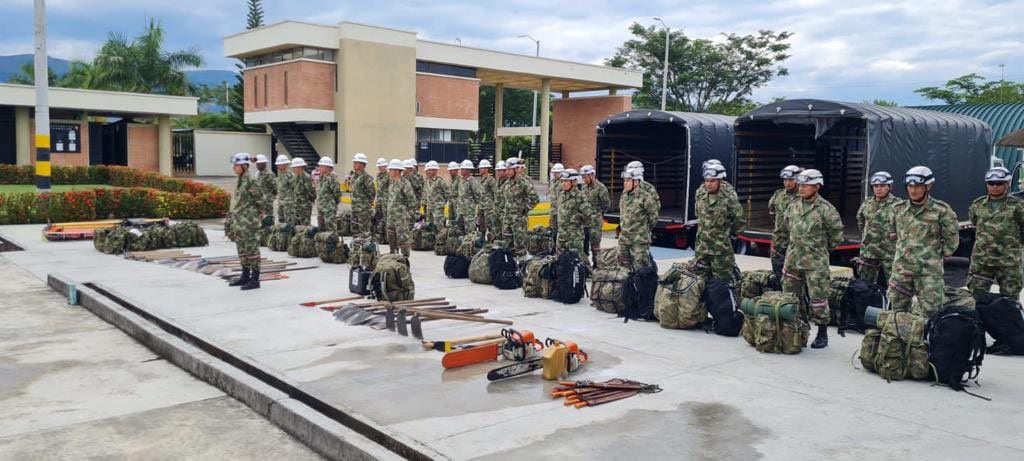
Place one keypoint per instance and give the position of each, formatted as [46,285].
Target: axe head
[400,323]
[389,318]
[416,327]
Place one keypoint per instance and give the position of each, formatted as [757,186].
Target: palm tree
[80,74]
[27,75]
[143,66]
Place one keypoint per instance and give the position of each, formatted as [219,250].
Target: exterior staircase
[294,140]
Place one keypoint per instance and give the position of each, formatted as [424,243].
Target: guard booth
[672,147]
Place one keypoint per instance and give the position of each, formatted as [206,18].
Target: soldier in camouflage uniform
[725,187]
[453,196]
[380,206]
[597,195]
[401,199]
[926,231]
[468,199]
[638,211]
[243,221]
[721,217]
[776,208]
[486,192]
[435,196]
[268,185]
[519,198]
[874,220]
[554,188]
[998,219]
[360,183]
[809,229]
[304,193]
[328,195]
[412,172]
[285,201]
[576,215]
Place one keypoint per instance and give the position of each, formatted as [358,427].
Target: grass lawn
[12,188]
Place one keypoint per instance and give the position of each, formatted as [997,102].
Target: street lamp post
[664,73]
[42,103]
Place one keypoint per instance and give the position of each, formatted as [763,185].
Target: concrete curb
[322,434]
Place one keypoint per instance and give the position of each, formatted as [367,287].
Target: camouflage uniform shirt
[575,214]
[435,196]
[268,185]
[777,207]
[999,231]
[720,217]
[638,215]
[874,220]
[811,229]
[328,195]
[305,194]
[925,234]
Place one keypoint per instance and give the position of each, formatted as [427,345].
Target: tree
[27,75]
[236,105]
[973,89]
[883,103]
[255,17]
[143,66]
[208,120]
[517,104]
[703,75]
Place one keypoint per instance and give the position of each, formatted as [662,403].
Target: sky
[844,50]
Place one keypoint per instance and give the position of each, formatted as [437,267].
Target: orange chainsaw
[557,360]
[516,346]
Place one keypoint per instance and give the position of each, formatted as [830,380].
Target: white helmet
[998,174]
[587,169]
[467,164]
[570,174]
[633,173]
[484,164]
[260,158]
[511,162]
[381,161]
[282,160]
[790,172]
[810,176]
[297,162]
[361,158]
[709,162]
[396,164]
[432,165]
[241,158]
[409,163]
[881,177]
[714,171]
[557,168]
[326,161]
[635,165]
[919,175]
[501,166]
[453,166]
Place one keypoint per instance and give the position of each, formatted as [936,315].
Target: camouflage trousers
[399,236]
[778,260]
[720,265]
[435,216]
[248,251]
[639,253]
[813,283]
[928,289]
[568,242]
[594,238]
[513,229]
[981,277]
[362,216]
[325,218]
[874,270]
[283,216]
[302,215]
[489,225]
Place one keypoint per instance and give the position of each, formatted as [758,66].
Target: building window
[291,54]
[445,69]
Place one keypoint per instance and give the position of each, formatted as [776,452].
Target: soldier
[808,230]
[639,214]
[926,231]
[268,186]
[721,217]
[487,188]
[554,188]
[501,173]
[468,199]
[453,193]
[401,199]
[243,222]
[285,201]
[328,195]
[412,171]
[360,183]
[777,207]
[303,192]
[874,220]
[725,187]
[519,197]
[435,195]
[380,197]
[645,187]
[576,215]
[597,195]
[998,219]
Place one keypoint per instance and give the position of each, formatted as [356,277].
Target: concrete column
[163,135]
[612,91]
[545,125]
[22,135]
[499,117]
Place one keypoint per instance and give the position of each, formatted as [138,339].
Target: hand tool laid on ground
[329,301]
[448,345]
[517,346]
[415,326]
[557,360]
[588,393]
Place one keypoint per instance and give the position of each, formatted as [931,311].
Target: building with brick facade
[340,89]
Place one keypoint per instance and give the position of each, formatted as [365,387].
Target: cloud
[69,49]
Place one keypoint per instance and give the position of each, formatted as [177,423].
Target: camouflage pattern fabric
[328,195]
[363,193]
[925,234]
[638,215]
[305,194]
[280,236]
[576,215]
[809,230]
[343,223]
[597,195]
[776,208]
[392,280]
[606,286]
[677,301]
[417,181]
[999,238]
[268,184]
[520,198]
[721,217]
[189,234]
[539,240]
[726,189]
[874,220]
[487,190]
[554,190]
[99,237]
[245,221]
[414,207]
[453,196]
[303,242]
[537,278]
[468,200]
[401,200]
[435,196]
[380,201]
[285,198]
[331,248]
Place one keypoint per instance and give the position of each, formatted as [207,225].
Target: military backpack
[720,299]
[755,283]
[896,349]
[638,294]
[441,242]
[363,253]
[343,222]
[480,266]
[280,236]
[303,243]
[773,323]
[1004,322]
[539,240]
[99,237]
[606,287]
[538,276]
[677,303]
[504,269]
[391,279]
[424,237]
[189,234]
[956,346]
[331,248]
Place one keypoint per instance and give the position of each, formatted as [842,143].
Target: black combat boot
[241,280]
[254,281]
[821,341]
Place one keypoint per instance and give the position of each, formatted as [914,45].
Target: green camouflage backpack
[836,293]
[280,236]
[896,350]
[189,234]
[343,223]
[391,279]
[99,237]
[469,245]
[755,283]
[363,253]
[302,244]
[441,242]
[331,248]
[136,242]
[539,240]
[157,237]
[606,285]
[116,240]
[423,237]
[773,324]
[677,302]
[537,277]
[480,266]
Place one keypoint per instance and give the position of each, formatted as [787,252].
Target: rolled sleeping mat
[871,316]
[752,308]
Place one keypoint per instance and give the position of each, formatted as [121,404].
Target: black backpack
[456,266]
[504,270]
[570,276]
[638,294]
[720,300]
[956,346]
[859,295]
[1001,316]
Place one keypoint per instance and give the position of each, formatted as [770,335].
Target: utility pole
[533,121]
[227,96]
[42,104]
[664,73]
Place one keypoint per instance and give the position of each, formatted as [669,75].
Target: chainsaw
[558,359]
[516,346]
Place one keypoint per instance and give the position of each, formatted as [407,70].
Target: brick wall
[310,86]
[61,159]
[447,97]
[142,147]
[575,120]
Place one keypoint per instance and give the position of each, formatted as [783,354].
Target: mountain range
[9,66]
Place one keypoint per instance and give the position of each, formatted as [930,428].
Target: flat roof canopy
[1014,139]
[107,102]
